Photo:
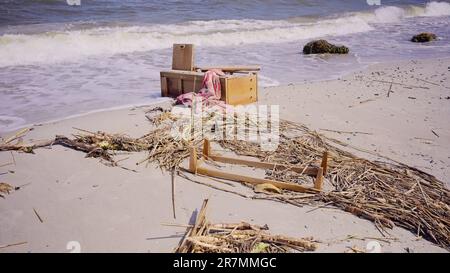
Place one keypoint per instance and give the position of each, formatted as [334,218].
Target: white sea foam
[18,49]
[389,14]
[437,9]
[60,46]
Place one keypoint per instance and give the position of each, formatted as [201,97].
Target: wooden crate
[236,89]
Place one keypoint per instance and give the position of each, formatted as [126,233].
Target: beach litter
[205,237]
[5,188]
[388,193]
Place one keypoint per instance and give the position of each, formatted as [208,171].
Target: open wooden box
[238,87]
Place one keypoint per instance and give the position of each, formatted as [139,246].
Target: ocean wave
[71,45]
[437,9]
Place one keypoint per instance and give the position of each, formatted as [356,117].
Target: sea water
[59,60]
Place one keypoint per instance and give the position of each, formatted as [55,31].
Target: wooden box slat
[183,57]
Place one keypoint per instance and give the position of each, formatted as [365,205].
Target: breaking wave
[70,45]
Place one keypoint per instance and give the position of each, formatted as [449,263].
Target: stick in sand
[15,244]
[173,193]
[390,90]
[434,133]
[17,135]
[12,156]
[38,216]
[6,164]
[345,132]
[407,85]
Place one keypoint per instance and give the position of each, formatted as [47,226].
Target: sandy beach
[399,110]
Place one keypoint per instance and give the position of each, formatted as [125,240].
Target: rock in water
[323,46]
[423,37]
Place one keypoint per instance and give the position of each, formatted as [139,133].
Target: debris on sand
[204,237]
[388,193]
[5,188]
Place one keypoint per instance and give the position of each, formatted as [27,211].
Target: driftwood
[90,150]
[237,238]
[26,148]
[17,135]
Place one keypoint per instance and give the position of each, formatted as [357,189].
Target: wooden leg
[206,148]
[193,161]
[164,87]
[324,164]
[318,183]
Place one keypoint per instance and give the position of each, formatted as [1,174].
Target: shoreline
[111,209]
[159,100]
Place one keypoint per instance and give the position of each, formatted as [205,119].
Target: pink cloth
[209,94]
[211,81]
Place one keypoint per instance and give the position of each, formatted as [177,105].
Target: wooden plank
[207,153]
[172,88]
[179,82]
[180,74]
[183,57]
[241,90]
[264,165]
[180,86]
[230,68]
[255,181]
[194,167]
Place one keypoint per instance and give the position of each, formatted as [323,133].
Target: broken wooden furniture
[196,168]
[240,86]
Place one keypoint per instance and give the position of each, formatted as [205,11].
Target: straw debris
[388,193]
[205,237]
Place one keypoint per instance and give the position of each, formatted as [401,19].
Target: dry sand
[110,209]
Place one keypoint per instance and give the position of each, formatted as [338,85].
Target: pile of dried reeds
[204,237]
[387,193]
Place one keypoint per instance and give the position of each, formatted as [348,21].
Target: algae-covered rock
[323,46]
[423,37]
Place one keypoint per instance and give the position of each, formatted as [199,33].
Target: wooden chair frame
[196,168]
